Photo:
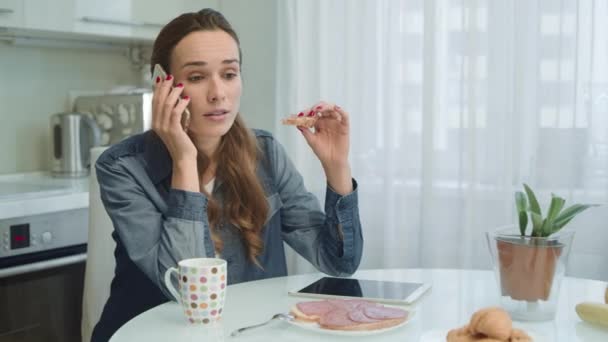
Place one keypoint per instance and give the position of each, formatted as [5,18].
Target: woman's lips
[216,115]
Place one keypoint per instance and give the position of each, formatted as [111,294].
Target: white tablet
[389,292]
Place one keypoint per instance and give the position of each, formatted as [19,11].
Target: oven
[43,243]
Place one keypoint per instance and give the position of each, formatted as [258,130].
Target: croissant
[491,322]
[488,325]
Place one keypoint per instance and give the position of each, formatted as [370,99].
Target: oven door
[45,304]
[42,263]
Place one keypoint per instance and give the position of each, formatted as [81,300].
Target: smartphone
[160,72]
[389,292]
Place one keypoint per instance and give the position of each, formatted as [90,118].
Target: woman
[217,188]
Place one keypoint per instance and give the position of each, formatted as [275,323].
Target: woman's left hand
[330,139]
[330,143]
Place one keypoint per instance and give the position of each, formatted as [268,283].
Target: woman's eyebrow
[194,63]
[203,63]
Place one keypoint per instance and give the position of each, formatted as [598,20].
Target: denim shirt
[156,226]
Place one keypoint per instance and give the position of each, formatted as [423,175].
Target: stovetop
[33,193]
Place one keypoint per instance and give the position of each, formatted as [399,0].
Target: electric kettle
[73,135]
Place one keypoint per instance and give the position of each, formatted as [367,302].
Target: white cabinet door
[57,15]
[153,14]
[160,12]
[197,5]
[106,18]
[137,19]
[157,13]
[11,13]
[125,19]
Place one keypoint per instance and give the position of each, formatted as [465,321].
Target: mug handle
[169,284]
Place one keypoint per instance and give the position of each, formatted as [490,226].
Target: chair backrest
[100,256]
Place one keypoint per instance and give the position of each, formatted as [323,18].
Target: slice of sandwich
[304,121]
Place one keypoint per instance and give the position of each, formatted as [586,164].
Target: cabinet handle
[7,11]
[97,20]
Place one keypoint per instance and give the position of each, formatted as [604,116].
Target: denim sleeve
[153,240]
[331,240]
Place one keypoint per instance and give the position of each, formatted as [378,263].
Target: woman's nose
[216,91]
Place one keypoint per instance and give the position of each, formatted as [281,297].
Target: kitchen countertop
[34,193]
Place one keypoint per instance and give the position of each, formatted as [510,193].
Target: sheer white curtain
[454,105]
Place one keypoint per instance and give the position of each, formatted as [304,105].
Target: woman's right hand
[167,109]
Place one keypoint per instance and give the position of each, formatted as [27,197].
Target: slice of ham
[350,304]
[357,315]
[337,318]
[383,312]
[318,308]
[350,314]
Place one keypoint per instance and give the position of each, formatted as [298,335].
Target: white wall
[34,84]
[255,23]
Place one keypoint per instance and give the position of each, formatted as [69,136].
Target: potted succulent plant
[530,261]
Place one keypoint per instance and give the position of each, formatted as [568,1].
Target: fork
[280,316]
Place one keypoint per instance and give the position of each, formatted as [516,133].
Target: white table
[455,295]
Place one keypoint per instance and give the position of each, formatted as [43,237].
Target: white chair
[100,256]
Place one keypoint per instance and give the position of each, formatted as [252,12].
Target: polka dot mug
[202,288]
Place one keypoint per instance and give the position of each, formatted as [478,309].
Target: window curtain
[454,104]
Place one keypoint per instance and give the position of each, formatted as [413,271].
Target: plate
[316,327]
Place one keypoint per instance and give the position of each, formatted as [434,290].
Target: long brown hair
[244,200]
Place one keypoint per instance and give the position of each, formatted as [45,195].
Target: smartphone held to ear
[160,72]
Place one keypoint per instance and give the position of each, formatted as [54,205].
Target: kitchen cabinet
[11,13]
[54,16]
[138,20]
[107,18]
[153,15]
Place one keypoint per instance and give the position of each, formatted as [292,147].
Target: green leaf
[537,224]
[522,203]
[534,207]
[568,214]
[557,203]
[523,222]
[559,225]
[547,227]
